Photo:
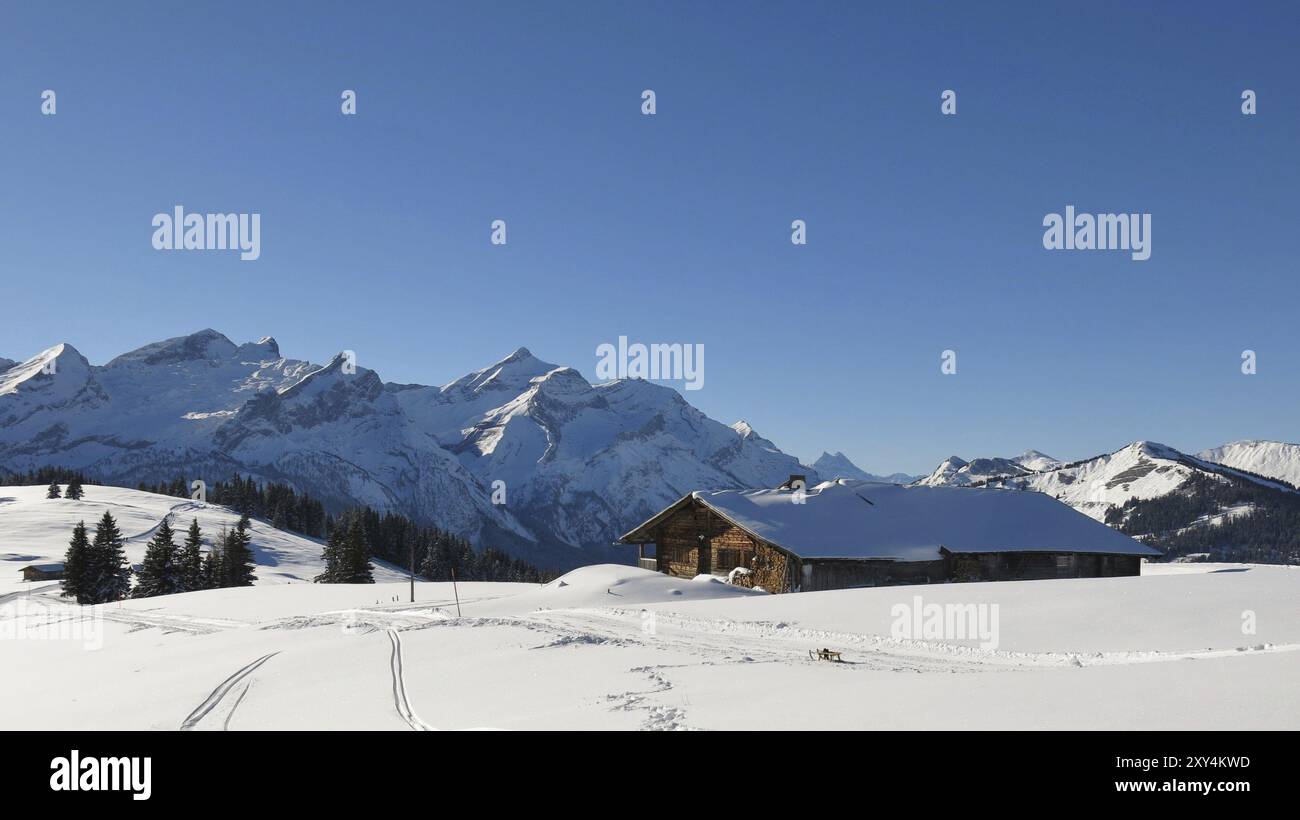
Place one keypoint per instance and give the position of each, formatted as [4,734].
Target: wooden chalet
[847,533]
[42,572]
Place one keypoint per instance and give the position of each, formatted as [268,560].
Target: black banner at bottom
[138,771]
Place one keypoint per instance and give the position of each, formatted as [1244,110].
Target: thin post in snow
[454,592]
[412,543]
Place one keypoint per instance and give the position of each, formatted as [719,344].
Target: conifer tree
[239,555]
[109,575]
[191,559]
[160,571]
[75,564]
[356,554]
[53,491]
[332,554]
[74,491]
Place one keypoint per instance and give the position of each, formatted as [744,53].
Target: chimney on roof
[796,481]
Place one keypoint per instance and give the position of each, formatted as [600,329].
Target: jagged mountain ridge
[580,462]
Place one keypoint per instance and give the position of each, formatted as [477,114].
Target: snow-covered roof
[861,519]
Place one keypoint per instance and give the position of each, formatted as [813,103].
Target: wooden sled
[824,655]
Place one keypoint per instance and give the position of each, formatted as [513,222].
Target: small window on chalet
[1064,561]
[729,559]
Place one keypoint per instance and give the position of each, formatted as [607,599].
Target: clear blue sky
[924,231]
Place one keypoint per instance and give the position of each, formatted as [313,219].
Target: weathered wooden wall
[850,573]
[1029,566]
[680,551]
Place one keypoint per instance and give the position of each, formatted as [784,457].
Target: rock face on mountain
[522,454]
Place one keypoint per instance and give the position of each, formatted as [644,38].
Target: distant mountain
[957,472]
[1274,459]
[1178,503]
[837,465]
[5,364]
[523,455]
[1034,460]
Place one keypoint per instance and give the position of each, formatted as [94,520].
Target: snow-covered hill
[1274,459]
[35,530]
[579,463]
[620,648]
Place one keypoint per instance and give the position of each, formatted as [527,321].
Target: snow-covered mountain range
[1236,502]
[580,462]
[523,454]
[1142,470]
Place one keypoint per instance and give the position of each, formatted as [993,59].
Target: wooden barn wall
[1030,566]
[850,573]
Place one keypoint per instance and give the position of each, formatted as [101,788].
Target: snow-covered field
[611,647]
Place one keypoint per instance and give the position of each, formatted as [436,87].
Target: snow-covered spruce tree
[239,555]
[74,491]
[54,491]
[160,571]
[75,563]
[109,575]
[356,554]
[191,559]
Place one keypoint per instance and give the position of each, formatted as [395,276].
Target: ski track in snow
[225,724]
[400,700]
[144,619]
[149,533]
[223,688]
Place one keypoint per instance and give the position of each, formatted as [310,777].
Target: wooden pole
[412,543]
[455,592]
